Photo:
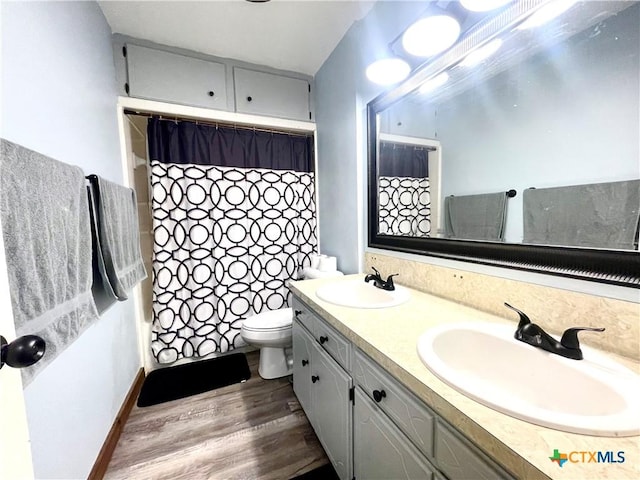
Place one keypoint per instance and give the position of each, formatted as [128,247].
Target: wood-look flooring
[251,430]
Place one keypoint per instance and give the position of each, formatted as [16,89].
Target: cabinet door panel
[332,411]
[410,414]
[261,93]
[302,342]
[160,75]
[457,458]
[380,451]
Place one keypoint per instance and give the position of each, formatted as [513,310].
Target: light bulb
[546,13]
[482,5]
[482,53]
[431,35]
[434,83]
[388,71]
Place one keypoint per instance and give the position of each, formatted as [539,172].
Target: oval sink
[358,294]
[594,396]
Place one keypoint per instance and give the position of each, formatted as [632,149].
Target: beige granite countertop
[389,336]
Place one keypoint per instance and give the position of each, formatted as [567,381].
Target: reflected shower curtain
[234,220]
[404,196]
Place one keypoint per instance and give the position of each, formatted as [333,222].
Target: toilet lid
[270,320]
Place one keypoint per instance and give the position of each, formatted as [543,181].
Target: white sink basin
[594,396]
[358,294]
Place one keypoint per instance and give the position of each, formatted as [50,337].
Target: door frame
[172,110]
[15,448]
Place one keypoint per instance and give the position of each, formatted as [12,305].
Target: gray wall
[342,92]
[59,98]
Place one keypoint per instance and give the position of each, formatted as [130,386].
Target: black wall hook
[22,352]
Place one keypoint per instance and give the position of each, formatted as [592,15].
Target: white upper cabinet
[159,75]
[156,73]
[261,93]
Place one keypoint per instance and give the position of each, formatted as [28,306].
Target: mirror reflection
[538,143]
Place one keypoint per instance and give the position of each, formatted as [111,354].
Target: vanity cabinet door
[380,450]
[458,458]
[410,414]
[302,348]
[332,412]
[159,75]
[261,93]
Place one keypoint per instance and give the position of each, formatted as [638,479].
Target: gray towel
[101,289]
[47,239]
[119,235]
[475,217]
[601,215]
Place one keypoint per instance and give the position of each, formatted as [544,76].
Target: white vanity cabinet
[323,388]
[440,448]
[158,75]
[371,426]
[302,350]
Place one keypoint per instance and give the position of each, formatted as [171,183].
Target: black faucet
[379,282]
[568,346]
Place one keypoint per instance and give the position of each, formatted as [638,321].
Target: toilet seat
[272,332]
[270,321]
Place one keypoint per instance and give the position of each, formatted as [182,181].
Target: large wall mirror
[528,158]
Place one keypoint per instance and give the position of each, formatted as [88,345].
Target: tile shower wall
[554,309]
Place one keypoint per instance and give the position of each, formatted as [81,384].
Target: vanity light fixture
[483,5]
[482,53]
[388,71]
[431,35]
[546,14]
[434,83]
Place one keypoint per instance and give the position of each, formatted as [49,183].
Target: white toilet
[271,331]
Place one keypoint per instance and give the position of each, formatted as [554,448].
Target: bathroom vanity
[380,413]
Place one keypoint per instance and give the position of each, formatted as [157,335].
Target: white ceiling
[290,35]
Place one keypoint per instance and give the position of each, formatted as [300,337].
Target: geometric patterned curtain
[404,195]
[227,240]
[404,206]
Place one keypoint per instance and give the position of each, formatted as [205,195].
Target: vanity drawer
[414,419]
[333,342]
[302,313]
[458,458]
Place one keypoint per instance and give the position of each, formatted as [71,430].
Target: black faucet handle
[524,319]
[390,278]
[570,336]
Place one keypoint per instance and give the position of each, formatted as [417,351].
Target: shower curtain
[234,219]
[403,190]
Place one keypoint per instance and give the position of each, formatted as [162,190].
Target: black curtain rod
[215,123]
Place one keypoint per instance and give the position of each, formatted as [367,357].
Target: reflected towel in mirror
[475,217]
[600,215]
